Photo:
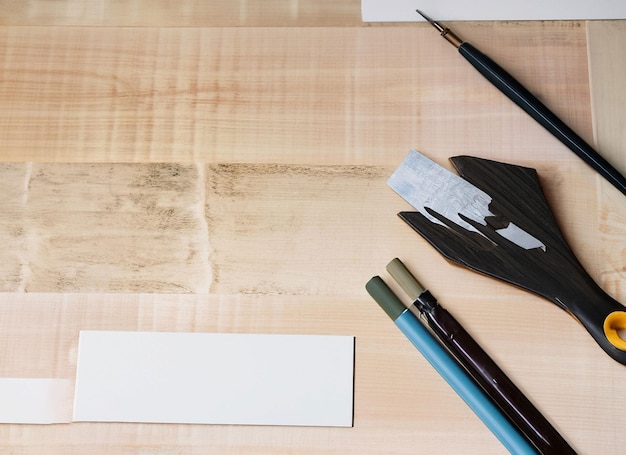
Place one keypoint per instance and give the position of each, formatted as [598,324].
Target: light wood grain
[607,91]
[100,227]
[287,95]
[186,13]
[162,170]
[609,120]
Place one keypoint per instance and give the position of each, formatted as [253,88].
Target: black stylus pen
[533,107]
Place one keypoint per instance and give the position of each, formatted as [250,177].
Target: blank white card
[215,378]
[35,400]
[462,10]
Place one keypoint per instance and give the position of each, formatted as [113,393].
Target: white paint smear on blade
[425,184]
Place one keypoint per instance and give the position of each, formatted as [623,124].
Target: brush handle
[537,110]
[600,314]
[482,368]
[555,273]
[495,382]
[449,368]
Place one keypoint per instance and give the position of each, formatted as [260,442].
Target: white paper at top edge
[35,400]
[215,378]
[485,10]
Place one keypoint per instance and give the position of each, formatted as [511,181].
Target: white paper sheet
[459,10]
[35,400]
[215,378]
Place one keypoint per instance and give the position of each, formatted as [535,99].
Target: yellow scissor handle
[614,322]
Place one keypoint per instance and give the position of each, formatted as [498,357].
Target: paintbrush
[533,107]
[480,366]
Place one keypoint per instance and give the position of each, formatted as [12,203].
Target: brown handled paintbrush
[480,366]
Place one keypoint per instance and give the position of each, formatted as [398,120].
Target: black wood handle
[537,110]
[496,383]
[602,316]
[553,273]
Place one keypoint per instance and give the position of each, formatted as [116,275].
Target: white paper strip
[215,378]
[453,10]
[34,400]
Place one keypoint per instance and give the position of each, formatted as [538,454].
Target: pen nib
[445,31]
[432,22]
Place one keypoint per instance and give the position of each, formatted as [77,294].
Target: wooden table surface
[221,167]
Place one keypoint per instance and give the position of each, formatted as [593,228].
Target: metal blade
[426,185]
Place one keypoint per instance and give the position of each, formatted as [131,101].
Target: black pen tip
[424,16]
[445,31]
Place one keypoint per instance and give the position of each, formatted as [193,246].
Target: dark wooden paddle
[553,273]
